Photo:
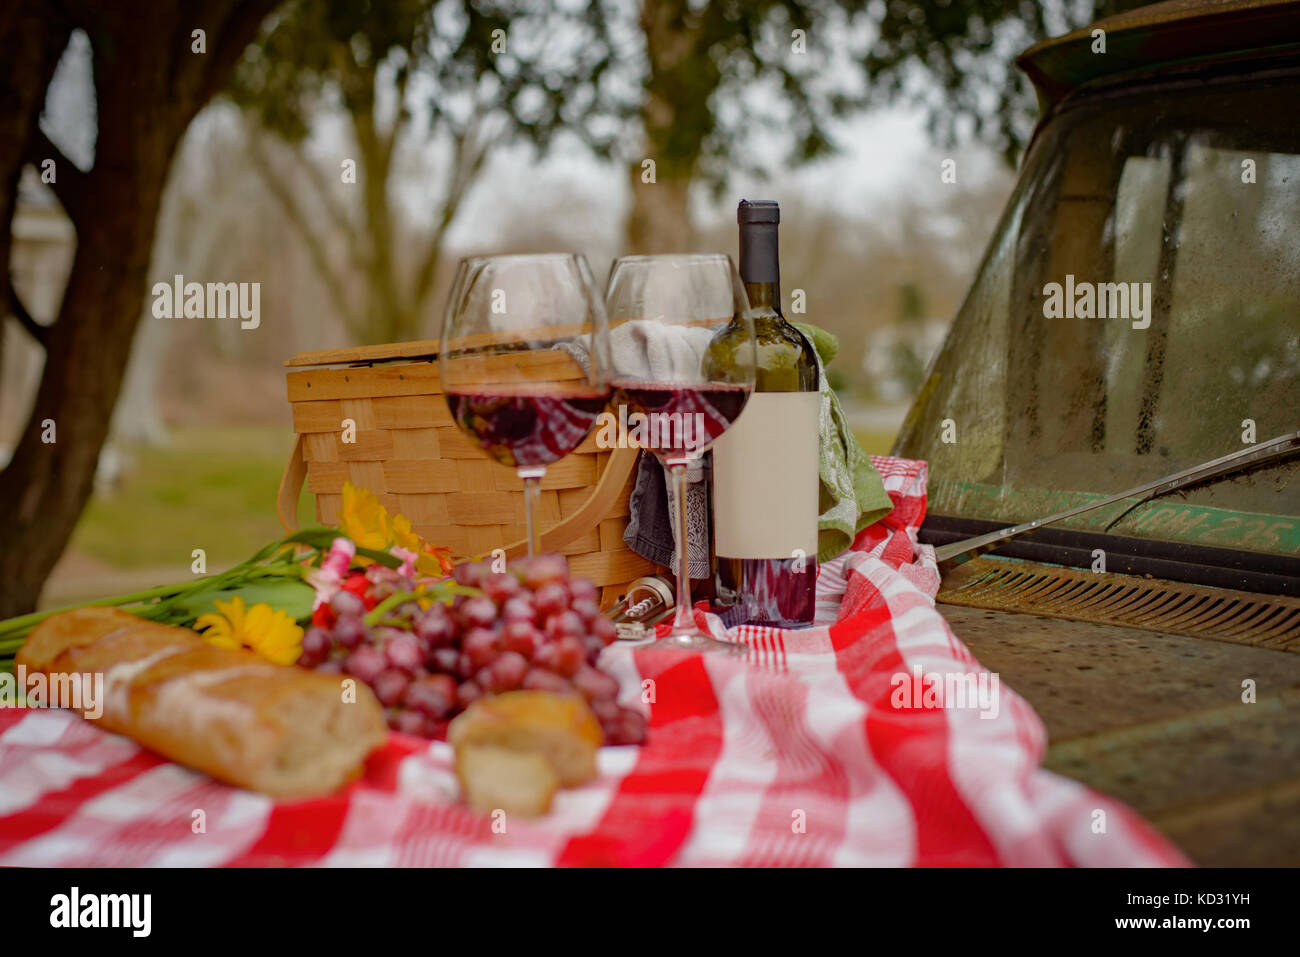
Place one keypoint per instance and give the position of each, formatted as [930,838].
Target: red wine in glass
[527,428]
[506,365]
[780,592]
[680,420]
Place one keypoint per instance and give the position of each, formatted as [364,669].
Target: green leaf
[287,595]
[264,553]
[322,538]
[383,558]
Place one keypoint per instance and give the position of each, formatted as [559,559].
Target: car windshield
[1137,313]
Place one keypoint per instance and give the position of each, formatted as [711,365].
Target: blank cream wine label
[765,478]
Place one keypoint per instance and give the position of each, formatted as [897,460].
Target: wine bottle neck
[760,262]
[760,259]
[760,268]
[764,297]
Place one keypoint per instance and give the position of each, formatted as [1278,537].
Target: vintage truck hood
[1155,718]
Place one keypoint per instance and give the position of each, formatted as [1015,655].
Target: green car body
[1137,313]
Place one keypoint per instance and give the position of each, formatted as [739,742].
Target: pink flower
[408,557]
[340,556]
[328,578]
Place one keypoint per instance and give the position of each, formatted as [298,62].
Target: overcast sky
[884,154]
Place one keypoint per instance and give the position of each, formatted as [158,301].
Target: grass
[213,489]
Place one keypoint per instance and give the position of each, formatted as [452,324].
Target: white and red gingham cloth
[802,755]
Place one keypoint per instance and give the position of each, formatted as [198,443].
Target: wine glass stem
[532,487]
[684,617]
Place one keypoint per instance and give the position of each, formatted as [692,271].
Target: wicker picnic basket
[410,453]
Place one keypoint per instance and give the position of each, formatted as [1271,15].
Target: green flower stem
[443,591]
[288,558]
[373,617]
[162,599]
[24,623]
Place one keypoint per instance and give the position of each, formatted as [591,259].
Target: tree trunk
[387,317]
[34,40]
[659,220]
[47,484]
[148,86]
[676,118]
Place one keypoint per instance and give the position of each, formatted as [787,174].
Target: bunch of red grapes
[532,627]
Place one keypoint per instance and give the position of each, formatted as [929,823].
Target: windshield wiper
[955,553]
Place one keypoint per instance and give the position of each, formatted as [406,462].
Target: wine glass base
[697,642]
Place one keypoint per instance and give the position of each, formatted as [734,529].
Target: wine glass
[524,361]
[682,342]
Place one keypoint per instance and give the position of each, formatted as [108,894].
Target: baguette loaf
[229,713]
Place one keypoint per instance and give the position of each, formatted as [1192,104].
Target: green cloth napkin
[852,494]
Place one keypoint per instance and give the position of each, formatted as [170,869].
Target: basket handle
[617,469]
[286,499]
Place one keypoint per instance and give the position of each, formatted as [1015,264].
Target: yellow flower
[363,519]
[404,535]
[431,561]
[435,561]
[268,631]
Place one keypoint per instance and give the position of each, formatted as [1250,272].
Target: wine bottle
[765,467]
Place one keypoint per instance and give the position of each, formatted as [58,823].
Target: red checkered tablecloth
[822,748]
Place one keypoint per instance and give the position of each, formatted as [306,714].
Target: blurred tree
[908,354]
[698,117]
[469,75]
[703,62]
[150,79]
[684,92]
[966,48]
[911,302]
